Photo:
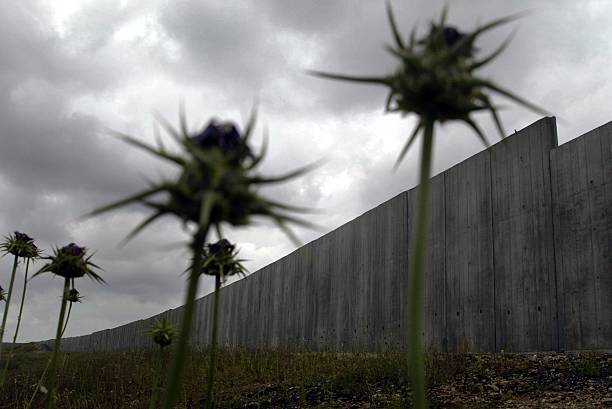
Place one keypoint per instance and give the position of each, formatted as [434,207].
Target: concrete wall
[519,260]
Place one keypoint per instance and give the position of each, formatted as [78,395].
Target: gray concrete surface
[519,259]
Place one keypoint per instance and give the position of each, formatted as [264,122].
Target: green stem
[56,349]
[178,363]
[213,345]
[417,267]
[23,294]
[156,378]
[6,307]
[69,310]
[67,318]
[38,385]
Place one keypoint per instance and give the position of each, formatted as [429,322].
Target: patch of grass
[284,379]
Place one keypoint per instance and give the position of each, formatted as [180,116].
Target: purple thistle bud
[73,250]
[73,295]
[223,135]
[22,237]
[452,36]
[222,247]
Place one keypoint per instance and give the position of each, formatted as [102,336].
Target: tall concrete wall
[518,260]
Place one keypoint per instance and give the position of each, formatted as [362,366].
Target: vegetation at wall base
[283,379]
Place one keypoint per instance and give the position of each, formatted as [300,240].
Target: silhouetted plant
[69,262]
[217,184]
[436,80]
[19,245]
[162,332]
[219,261]
[73,297]
[32,254]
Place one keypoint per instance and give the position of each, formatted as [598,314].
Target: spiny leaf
[494,54]
[248,130]
[396,34]
[287,176]
[132,141]
[518,99]
[262,153]
[370,80]
[477,130]
[409,142]
[134,198]
[141,226]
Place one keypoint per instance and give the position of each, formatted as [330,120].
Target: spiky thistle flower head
[162,332]
[436,77]
[71,261]
[217,182]
[220,259]
[73,295]
[20,245]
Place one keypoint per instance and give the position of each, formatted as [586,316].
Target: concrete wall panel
[518,259]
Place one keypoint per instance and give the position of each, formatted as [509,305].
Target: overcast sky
[71,70]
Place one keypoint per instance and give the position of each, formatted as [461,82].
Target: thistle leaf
[494,54]
[477,130]
[396,34]
[518,99]
[409,142]
[331,76]
[287,176]
[141,226]
[162,154]
[134,198]
[262,153]
[248,130]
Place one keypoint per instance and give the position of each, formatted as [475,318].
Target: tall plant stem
[7,305]
[68,315]
[419,248]
[56,348]
[213,345]
[178,363]
[156,378]
[67,318]
[23,294]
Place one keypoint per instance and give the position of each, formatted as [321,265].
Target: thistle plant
[436,79]
[73,297]
[217,184]
[70,262]
[33,253]
[19,245]
[220,262]
[162,332]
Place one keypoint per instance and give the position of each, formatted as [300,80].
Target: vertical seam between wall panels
[554,239]
[493,249]
[446,284]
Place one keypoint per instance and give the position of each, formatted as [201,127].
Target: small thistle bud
[224,136]
[73,295]
[220,260]
[162,332]
[23,237]
[71,261]
[221,248]
[436,78]
[218,181]
[2,294]
[20,245]
[73,250]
